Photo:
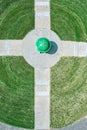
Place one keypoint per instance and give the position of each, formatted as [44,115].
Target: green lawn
[16,92]
[68,91]
[16,18]
[69,19]
[16,76]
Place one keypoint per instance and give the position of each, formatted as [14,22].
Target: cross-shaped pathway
[42,62]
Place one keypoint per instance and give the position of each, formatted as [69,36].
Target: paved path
[42,64]
[68,48]
[36,59]
[42,96]
[10,47]
[73,48]
[8,127]
[42,14]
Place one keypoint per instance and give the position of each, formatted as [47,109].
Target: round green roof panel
[43,45]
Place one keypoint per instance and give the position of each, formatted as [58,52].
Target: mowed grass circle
[16,92]
[16,76]
[68,91]
[16,18]
[69,19]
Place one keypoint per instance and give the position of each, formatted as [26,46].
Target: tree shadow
[54,48]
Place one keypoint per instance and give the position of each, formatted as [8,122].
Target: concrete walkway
[42,96]
[33,57]
[42,64]
[73,48]
[8,127]
[68,48]
[42,14]
[11,47]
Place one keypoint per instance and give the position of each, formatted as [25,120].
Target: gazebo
[43,45]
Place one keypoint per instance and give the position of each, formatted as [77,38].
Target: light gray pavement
[73,48]
[10,47]
[68,48]
[42,14]
[33,57]
[42,96]
[8,127]
[42,64]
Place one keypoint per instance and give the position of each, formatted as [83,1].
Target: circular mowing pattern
[69,17]
[16,92]
[43,45]
[67,89]
[17,18]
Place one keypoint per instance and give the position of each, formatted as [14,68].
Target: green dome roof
[43,45]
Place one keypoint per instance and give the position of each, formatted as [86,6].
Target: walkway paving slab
[44,22]
[42,14]
[73,48]
[42,98]
[33,57]
[10,47]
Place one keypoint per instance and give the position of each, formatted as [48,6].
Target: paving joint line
[41,3]
[7,47]
[43,13]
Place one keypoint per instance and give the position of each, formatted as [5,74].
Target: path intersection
[42,63]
